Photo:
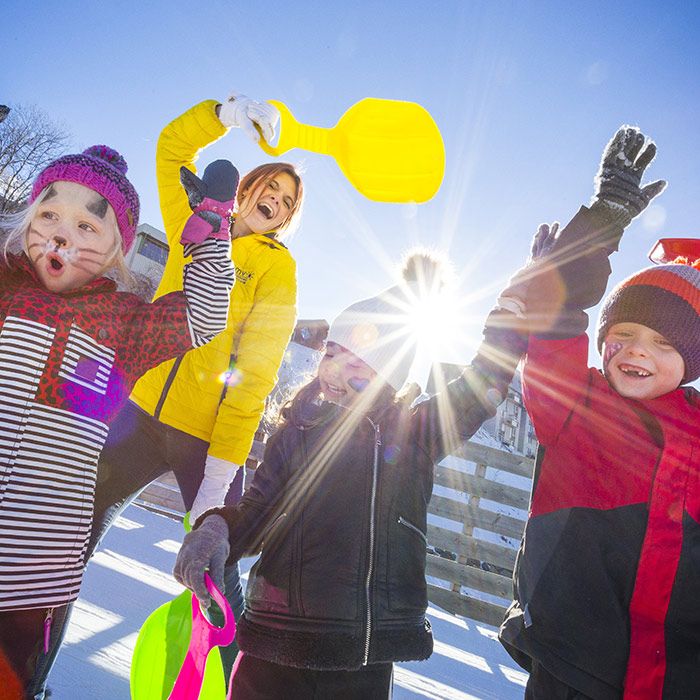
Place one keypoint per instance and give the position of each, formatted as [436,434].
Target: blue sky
[526,95]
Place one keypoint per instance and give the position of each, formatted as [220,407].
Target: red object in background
[10,685]
[666,250]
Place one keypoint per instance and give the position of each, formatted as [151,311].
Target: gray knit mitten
[206,547]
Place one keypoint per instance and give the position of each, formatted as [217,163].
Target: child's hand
[543,241]
[243,112]
[206,547]
[617,182]
[212,199]
[514,297]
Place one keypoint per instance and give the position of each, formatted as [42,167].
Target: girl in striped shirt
[71,348]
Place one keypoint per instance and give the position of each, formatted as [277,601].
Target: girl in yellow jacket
[218,396]
[197,415]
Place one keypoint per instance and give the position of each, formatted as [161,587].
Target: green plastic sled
[161,648]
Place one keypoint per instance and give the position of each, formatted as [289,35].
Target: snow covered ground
[130,576]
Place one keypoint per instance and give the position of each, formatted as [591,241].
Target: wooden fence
[458,556]
[463,556]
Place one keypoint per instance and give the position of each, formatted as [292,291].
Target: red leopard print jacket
[67,363]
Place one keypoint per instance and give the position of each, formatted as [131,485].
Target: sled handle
[205,636]
[666,250]
[294,134]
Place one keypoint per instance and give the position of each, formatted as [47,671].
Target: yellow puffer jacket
[188,393]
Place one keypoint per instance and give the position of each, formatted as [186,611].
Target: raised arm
[179,145]
[554,289]
[445,421]
[207,279]
[183,138]
[551,294]
[566,273]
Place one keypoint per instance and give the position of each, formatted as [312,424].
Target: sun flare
[434,322]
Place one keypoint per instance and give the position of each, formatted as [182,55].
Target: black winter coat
[342,510]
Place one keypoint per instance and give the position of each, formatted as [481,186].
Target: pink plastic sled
[205,637]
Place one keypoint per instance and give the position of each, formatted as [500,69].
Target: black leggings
[256,679]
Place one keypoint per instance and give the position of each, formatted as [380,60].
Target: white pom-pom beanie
[377,331]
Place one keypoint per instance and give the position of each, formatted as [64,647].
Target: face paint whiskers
[83,261]
[48,244]
[86,259]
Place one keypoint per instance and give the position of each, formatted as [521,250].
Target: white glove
[243,112]
[218,475]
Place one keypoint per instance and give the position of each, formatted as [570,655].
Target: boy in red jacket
[609,565]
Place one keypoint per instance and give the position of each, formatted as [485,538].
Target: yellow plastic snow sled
[390,150]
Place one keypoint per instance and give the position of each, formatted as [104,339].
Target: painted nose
[60,241]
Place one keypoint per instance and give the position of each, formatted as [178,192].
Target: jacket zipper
[231,367]
[166,387]
[273,527]
[411,526]
[370,568]
[48,619]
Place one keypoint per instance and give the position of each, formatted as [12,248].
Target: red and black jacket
[608,572]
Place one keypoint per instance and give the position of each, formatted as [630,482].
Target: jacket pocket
[406,585]
[86,362]
[270,577]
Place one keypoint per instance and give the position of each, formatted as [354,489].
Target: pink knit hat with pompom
[101,169]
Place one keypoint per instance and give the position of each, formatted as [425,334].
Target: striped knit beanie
[101,169]
[665,298]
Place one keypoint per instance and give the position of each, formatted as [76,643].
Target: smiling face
[72,236]
[267,207]
[343,376]
[640,363]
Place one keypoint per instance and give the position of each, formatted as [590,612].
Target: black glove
[567,271]
[617,182]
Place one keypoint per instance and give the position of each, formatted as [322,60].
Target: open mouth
[55,263]
[335,390]
[266,210]
[634,372]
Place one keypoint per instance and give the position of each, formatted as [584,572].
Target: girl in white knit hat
[339,509]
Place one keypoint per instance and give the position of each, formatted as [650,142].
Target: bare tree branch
[29,141]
